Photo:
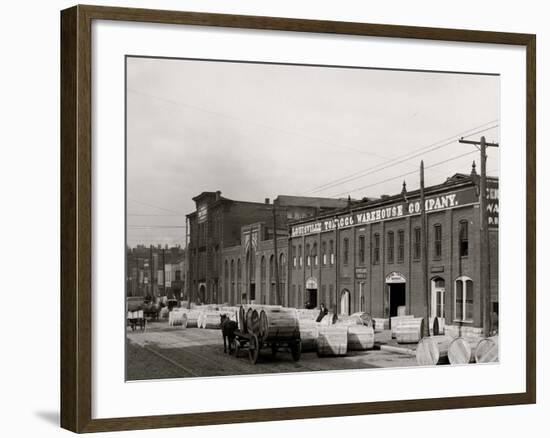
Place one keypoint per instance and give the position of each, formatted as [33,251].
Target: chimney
[267,200]
[218,195]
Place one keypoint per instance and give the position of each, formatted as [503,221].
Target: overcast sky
[255,131]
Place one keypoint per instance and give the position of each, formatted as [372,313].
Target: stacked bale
[209,319]
[177,317]
[309,332]
[310,314]
[360,337]
[349,320]
[381,324]
[163,314]
[365,317]
[192,317]
[328,319]
[409,330]
[332,340]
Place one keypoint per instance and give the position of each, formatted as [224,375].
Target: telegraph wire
[386,165]
[402,175]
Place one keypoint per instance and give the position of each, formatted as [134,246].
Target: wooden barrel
[278,323]
[332,340]
[254,322]
[402,311]
[349,320]
[211,320]
[487,350]
[381,324]
[192,318]
[360,337]
[177,318]
[310,314]
[327,319]
[309,332]
[395,320]
[461,351]
[365,318]
[409,331]
[433,350]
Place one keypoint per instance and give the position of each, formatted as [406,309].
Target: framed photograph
[271,218]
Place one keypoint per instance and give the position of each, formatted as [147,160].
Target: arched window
[300,260]
[376,249]
[463,238]
[391,243]
[239,270]
[308,255]
[400,246]
[324,253]
[346,251]
[271,268]
[331,250]
[362,250]
[263,275]
[437,241]
[464,299]
[282,267]
[314,254]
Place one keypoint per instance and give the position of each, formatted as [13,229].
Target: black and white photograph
[285,218]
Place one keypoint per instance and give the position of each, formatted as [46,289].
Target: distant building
[217,224]
[155,271]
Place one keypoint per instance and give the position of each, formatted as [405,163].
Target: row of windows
[312,259]
[230,268]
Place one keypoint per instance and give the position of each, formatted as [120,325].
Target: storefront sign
[492,204]
[373,215]
[361,273]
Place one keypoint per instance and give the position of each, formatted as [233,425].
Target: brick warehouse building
[217,223]
[368,257]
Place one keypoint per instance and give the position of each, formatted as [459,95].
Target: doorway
[311,295]
[345,301]
[438,298]
[397,297]
[252,291]
[202,293]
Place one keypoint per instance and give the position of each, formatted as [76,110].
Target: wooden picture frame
[76,217]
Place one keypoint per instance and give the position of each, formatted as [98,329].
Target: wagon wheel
[296,350]
[237,348]
[253,349]
[233,345]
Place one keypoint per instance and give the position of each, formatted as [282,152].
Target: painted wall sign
[395,211]
[202,213]
[492,204]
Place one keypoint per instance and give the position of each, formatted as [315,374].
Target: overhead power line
[400,159]
[156,206]
[402,175]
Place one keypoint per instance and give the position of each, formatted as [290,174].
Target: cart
[253,343]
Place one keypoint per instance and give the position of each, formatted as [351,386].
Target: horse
[228,332]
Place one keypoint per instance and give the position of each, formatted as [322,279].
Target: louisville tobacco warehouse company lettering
[368,216]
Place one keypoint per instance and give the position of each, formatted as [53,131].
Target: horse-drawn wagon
[272,327]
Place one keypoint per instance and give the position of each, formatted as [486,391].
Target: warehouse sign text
[367,216]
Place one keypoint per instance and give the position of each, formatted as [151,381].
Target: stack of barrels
[309,332]
[209,319]
[442,349]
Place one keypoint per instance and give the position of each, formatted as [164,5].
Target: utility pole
[151,278]
[164,270]
[424,228]
[276,256]
[484,282]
